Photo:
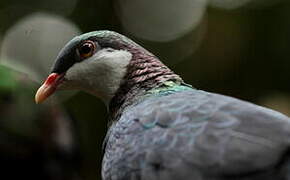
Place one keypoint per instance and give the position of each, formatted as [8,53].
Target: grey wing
[197,135]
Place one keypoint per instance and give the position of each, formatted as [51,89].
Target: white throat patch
[100,74]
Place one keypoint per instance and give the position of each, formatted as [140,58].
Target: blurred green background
[239,48]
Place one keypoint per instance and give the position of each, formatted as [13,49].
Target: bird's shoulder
[199,129]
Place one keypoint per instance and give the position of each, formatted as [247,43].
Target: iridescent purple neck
[144,72]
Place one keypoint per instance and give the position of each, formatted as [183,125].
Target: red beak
[48,87]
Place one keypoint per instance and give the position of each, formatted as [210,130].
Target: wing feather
[194,134]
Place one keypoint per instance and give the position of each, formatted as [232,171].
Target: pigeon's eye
[87,49]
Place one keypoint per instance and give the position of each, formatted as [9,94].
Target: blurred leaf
[7,79]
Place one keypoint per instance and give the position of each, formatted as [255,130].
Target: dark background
[238,48]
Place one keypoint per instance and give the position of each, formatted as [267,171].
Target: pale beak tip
[39,96]
[37,100]
[43,93]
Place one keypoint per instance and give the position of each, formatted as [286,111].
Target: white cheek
[100,74]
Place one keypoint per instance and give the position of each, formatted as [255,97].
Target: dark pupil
[86,48]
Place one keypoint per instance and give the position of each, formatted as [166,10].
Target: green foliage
[7,79]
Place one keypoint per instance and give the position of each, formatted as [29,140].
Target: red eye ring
[86,49]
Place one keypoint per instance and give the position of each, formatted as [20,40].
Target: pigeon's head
[107,65]
[94,62]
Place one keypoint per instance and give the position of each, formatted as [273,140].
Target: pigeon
[162,128]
